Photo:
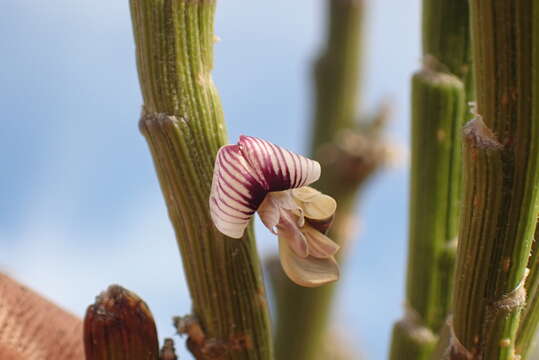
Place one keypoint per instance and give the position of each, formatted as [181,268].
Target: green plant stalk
[530,316]
[501,162]
[446,39]
[410,341]
[182,121]
[437,112]
[337,72]
[303,314]
[527,330]
[439,94]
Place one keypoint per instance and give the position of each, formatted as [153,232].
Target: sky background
[80,206]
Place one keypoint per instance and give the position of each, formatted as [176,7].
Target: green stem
[349,153]
[337,70]
[438,107]
[530,316]
[501,158]
[446,39]
[527,329]
[437,112]
[182,121]
[439,94]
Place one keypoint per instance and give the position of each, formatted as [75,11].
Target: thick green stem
[501,162]
[527,330]
[437,112]
[183,124]
[349,153]
[411,340]
[438,108]
[439,94]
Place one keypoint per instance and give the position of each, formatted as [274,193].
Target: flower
[258,176]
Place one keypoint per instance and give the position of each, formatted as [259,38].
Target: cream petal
[305,193]
[279,168]
[235,194]
[320,207]
[320,246]
[308,271]
[289,230]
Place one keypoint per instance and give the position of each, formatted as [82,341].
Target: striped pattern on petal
[236,192]
[245,173]
[278,168]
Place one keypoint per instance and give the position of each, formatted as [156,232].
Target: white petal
[320,246]
[279,168]
[308,271]
[235,193]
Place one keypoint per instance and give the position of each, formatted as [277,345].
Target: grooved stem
[439,93]
[500,181]
[527,329]
[438,109]
[182,121]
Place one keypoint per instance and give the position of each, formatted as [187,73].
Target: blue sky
[80,207]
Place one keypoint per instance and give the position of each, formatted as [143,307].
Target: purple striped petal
[279,168]
[245,173]
[236,192]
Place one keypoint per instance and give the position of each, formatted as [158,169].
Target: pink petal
[288,229]
[320,246]
[236,192]
[269,213]
[278,168]
[308,271]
